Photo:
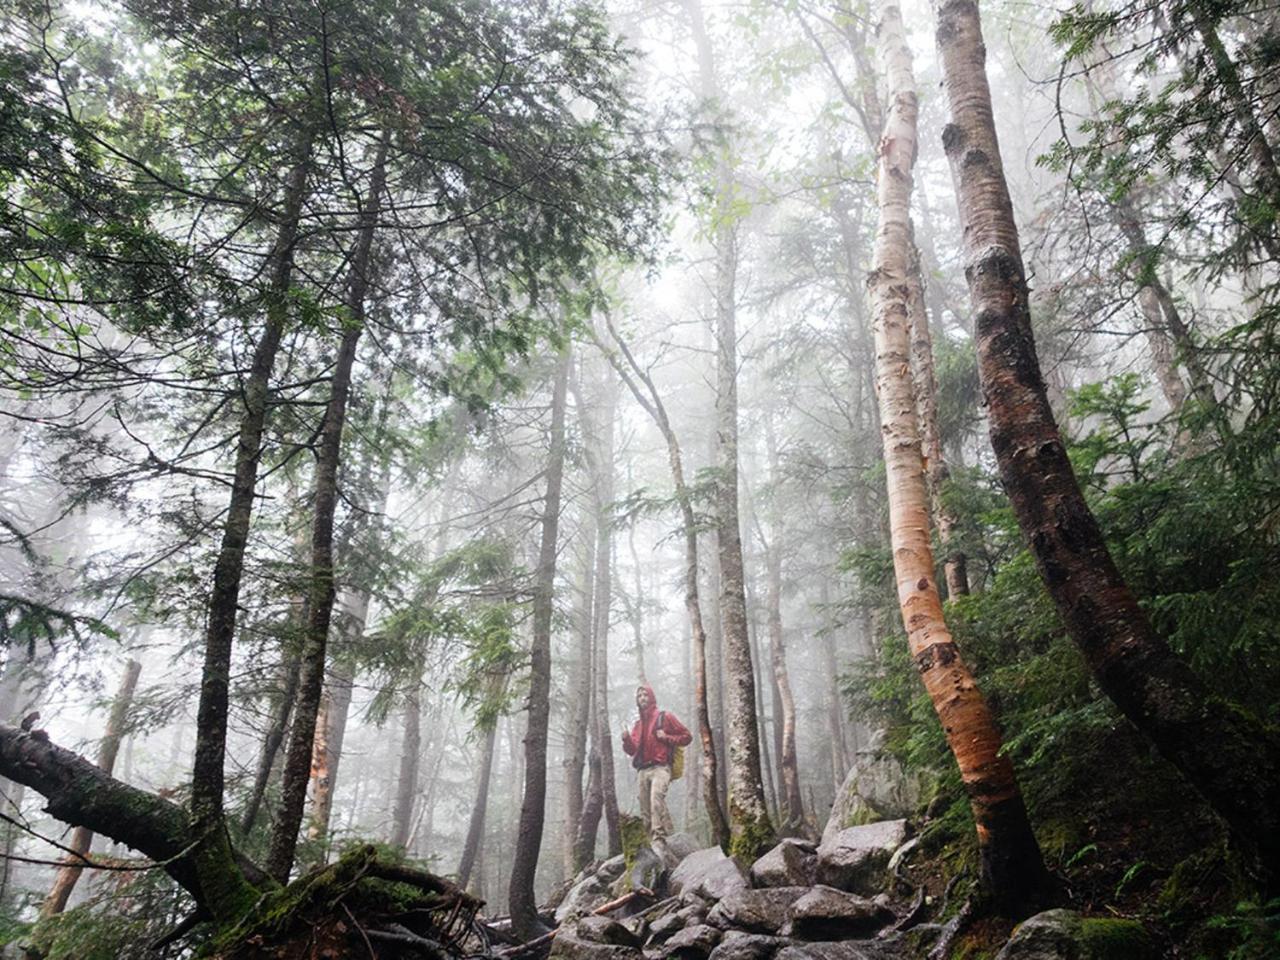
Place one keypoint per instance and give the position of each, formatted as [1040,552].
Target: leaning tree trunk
[751,831]
[524,909]
[1011,864]
[1225,753]
[651,400]
[297,767]
[207,776]
[69,875]
[475,827]
[407,782]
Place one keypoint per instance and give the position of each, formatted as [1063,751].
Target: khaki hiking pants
[654,782]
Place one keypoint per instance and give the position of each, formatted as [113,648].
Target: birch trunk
[1226,754]
[82,839]
[1012,869]
[524,909]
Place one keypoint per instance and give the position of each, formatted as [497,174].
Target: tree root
[952,930]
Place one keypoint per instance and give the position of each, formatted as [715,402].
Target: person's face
[642,698]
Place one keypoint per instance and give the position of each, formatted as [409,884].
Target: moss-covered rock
[1066,935]
[335,908]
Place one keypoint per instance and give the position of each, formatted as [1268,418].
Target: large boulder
[740,945]
[582,898]
[1066,935]
[827,913]
[567,945]
[792,863]
[876,788]
[606,930]
[855,859]
[693,942]
[759,911]
[708,874]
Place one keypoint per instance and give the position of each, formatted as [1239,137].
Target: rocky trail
[845,898]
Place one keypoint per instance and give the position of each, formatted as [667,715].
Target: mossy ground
[326,912]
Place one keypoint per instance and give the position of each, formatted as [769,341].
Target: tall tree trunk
[602,609]
[1012,868]
[475,827]
[326,753]
[575,760]
[637,608]
[792,801]
[751,833]
[335,705]
[207,775]
[650,399]
[954,565]
[835,707]
[82,839]
[524,910]
[1225,753]
[407,782]
[297,767]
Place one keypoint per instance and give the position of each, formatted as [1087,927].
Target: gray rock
[569,946]
[876,788]
[760,911]
[739,945]
[708,874]
[681,845]
[612,868]
[1065,935]
[584,897]
[605,930]
[792,863]
[855,859]
[914,944]
[696,941]
[647,871]
[827,913]
[690,915]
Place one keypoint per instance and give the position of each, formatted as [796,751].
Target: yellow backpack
[677,754]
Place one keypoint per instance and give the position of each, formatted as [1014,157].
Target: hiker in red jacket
[651,744]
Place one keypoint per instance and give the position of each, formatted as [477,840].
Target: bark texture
[1228,755]
[524,908]
[80,793]
[1011,864]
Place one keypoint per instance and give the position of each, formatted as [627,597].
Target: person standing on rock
[651,743]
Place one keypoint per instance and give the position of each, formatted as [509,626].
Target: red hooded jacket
[642,744]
